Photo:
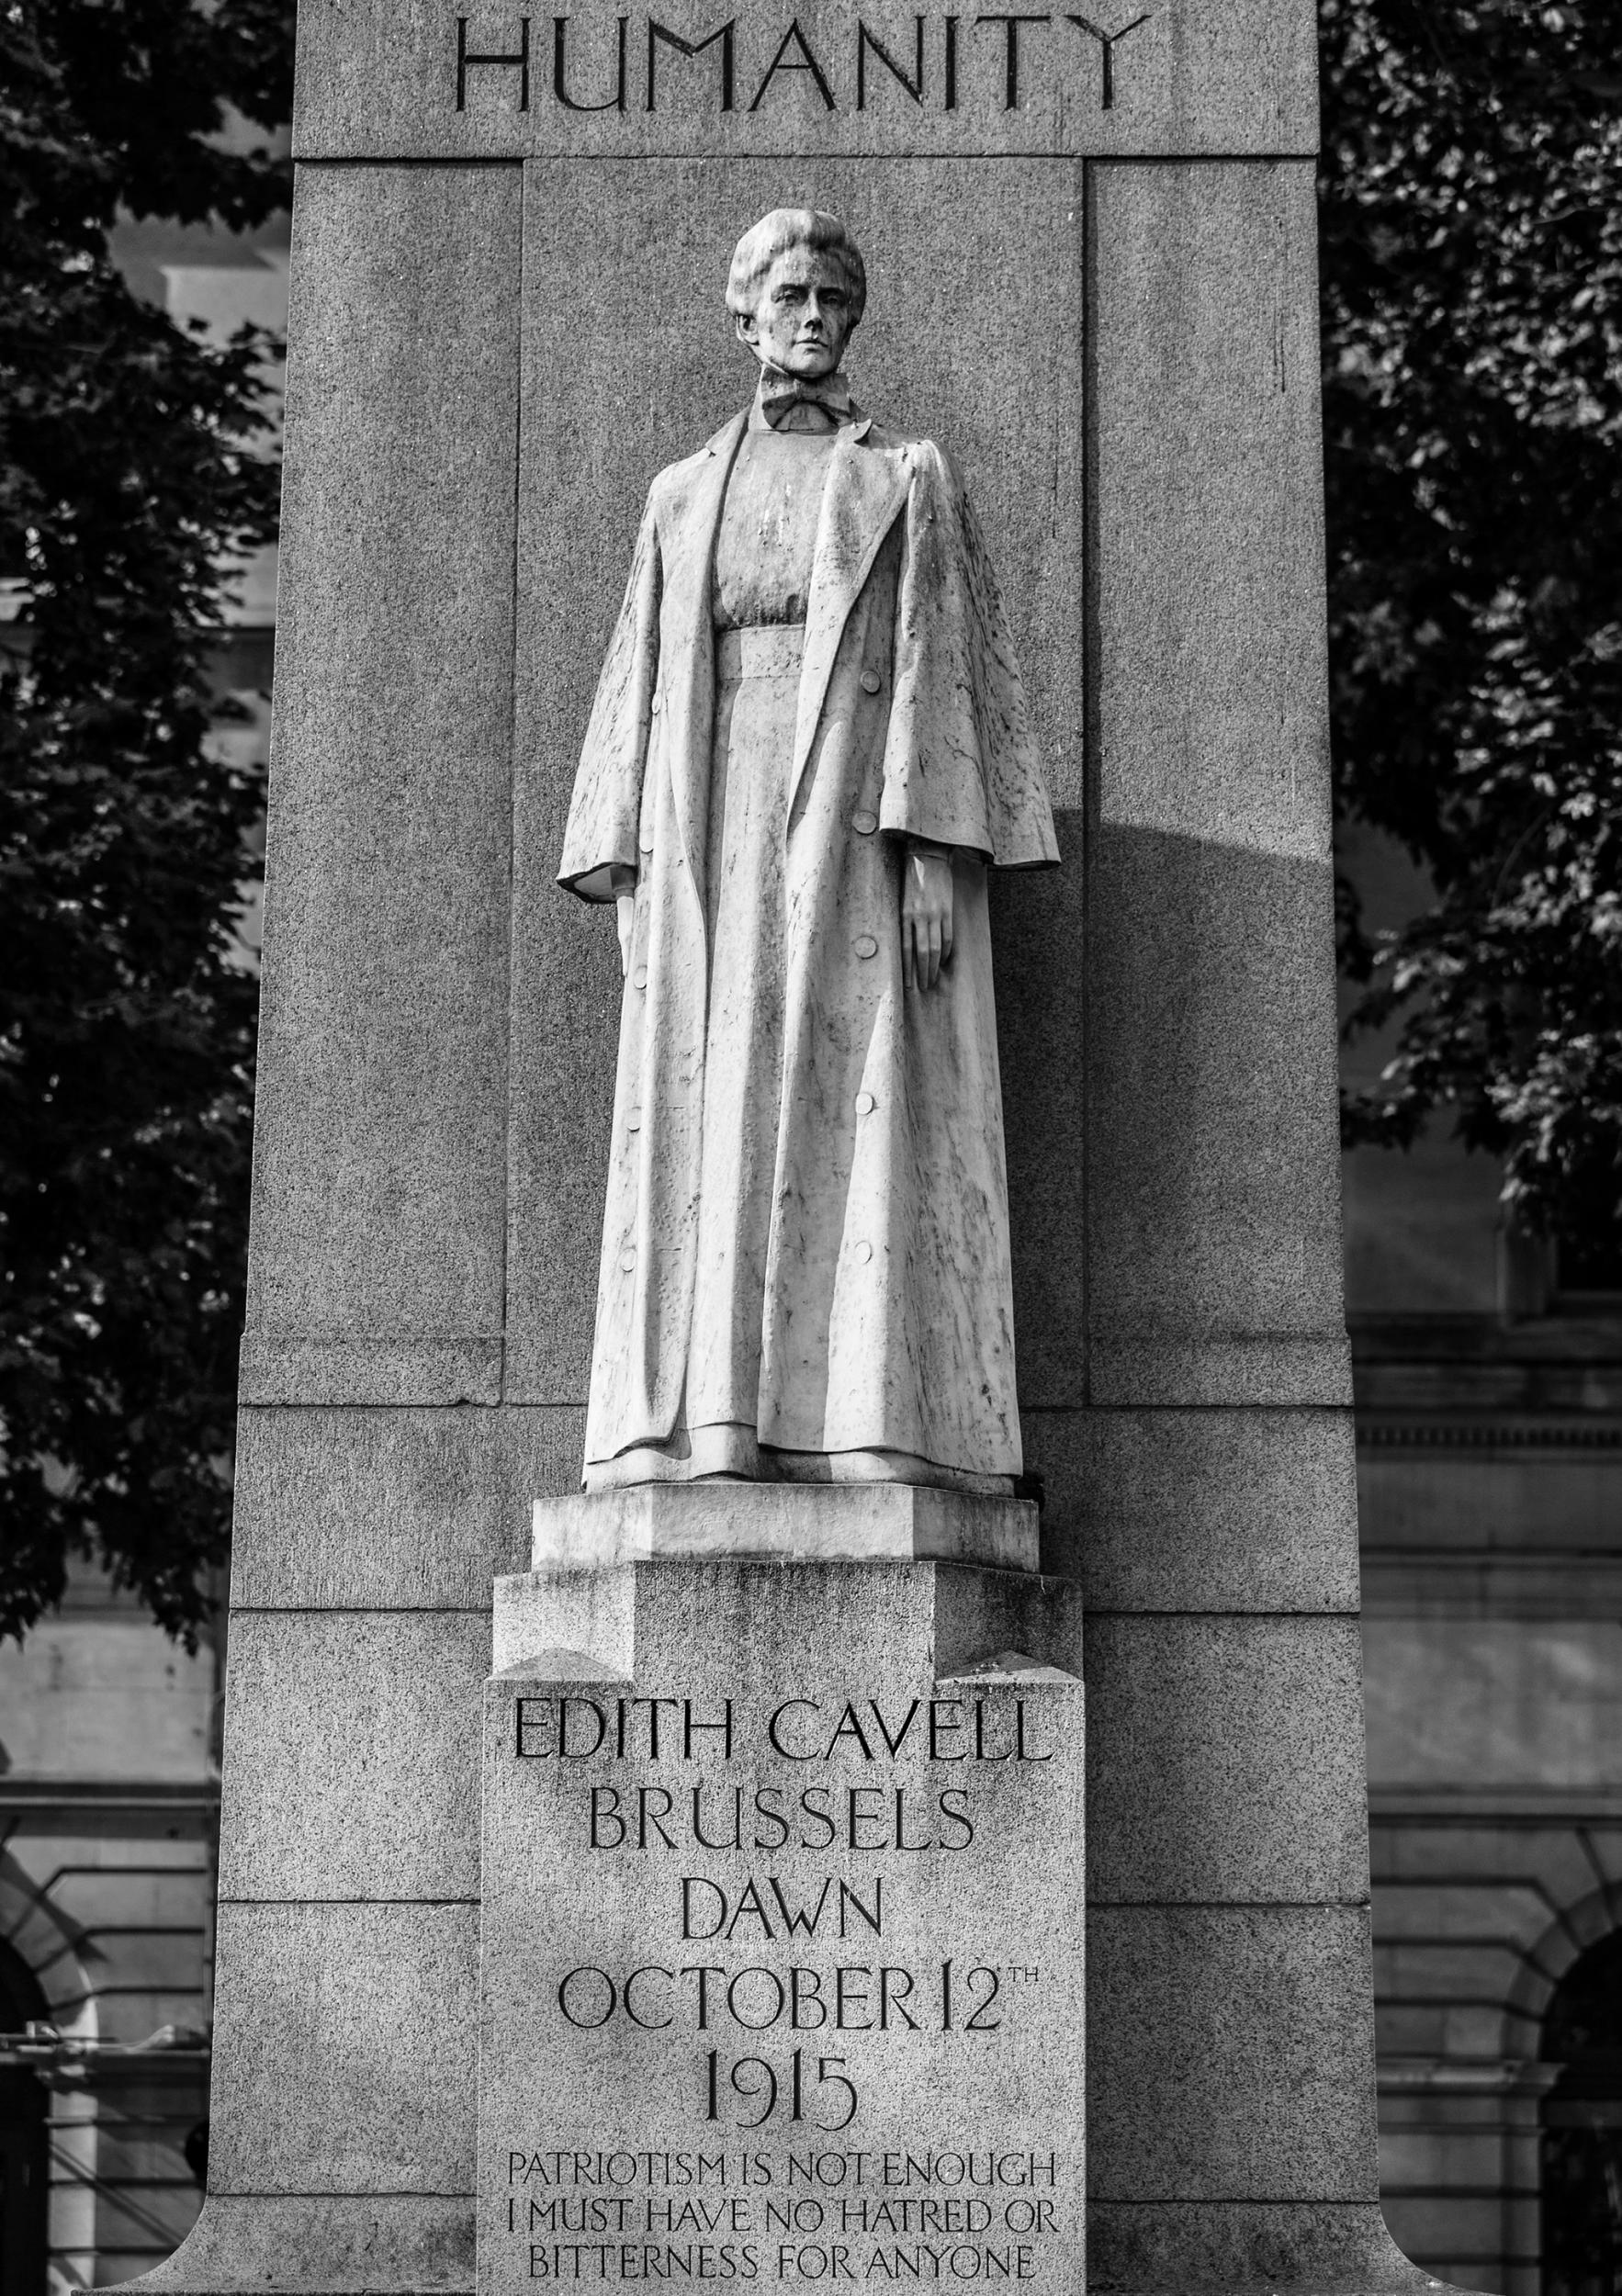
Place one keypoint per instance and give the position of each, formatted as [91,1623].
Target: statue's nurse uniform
[806,1252]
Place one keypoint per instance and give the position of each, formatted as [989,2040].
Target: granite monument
[1091,240]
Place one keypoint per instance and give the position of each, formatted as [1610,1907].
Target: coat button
[864,824]
[866,946]
[871,682]
[862,1252]
[864,1104]
[627,1259]
[645,842]
[634,1120]
[657,706]
[639,978]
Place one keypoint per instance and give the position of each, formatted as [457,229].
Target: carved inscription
[946,60]
[807,2213]
[828,79]
[796,1998]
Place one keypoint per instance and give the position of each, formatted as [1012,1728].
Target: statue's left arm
[961,763]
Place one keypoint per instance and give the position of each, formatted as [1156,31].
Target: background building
[109,1799]
[1490,1426]
[1488,1380]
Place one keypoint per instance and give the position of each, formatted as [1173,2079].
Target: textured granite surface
[1328,2246]
[400,1509]
[345,2048]
[946,1618]
[1232,2054]
[1200,1510]
[380,1137]
[335,1722]
[325,2245]
[1212,1163]
[1230,1764]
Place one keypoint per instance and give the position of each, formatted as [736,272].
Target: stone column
[1209,1504]
[1089,239]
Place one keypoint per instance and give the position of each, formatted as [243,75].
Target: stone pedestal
[781,1959]
[793,1522]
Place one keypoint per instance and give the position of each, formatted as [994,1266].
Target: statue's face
[802,318]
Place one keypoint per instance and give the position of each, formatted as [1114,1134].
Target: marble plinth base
[781,1947]
[807,1522]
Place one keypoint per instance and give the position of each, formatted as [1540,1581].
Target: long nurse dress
[804,1267]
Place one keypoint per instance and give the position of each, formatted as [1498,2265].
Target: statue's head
[798,290]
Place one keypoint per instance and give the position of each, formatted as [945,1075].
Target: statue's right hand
[926,913]
[625,905]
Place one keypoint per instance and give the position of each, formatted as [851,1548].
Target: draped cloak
[886,1320]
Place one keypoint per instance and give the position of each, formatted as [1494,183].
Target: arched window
[1582,2170]
[24,2173]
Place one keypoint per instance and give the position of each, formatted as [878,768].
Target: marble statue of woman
[809,743]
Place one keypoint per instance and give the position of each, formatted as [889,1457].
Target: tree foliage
[1472,314]
[128,468]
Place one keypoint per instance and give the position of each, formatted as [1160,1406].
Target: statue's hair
[774,235]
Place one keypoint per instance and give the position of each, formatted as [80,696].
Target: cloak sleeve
[961,765]
[606,806]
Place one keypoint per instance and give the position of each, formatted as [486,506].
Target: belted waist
[766,649]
